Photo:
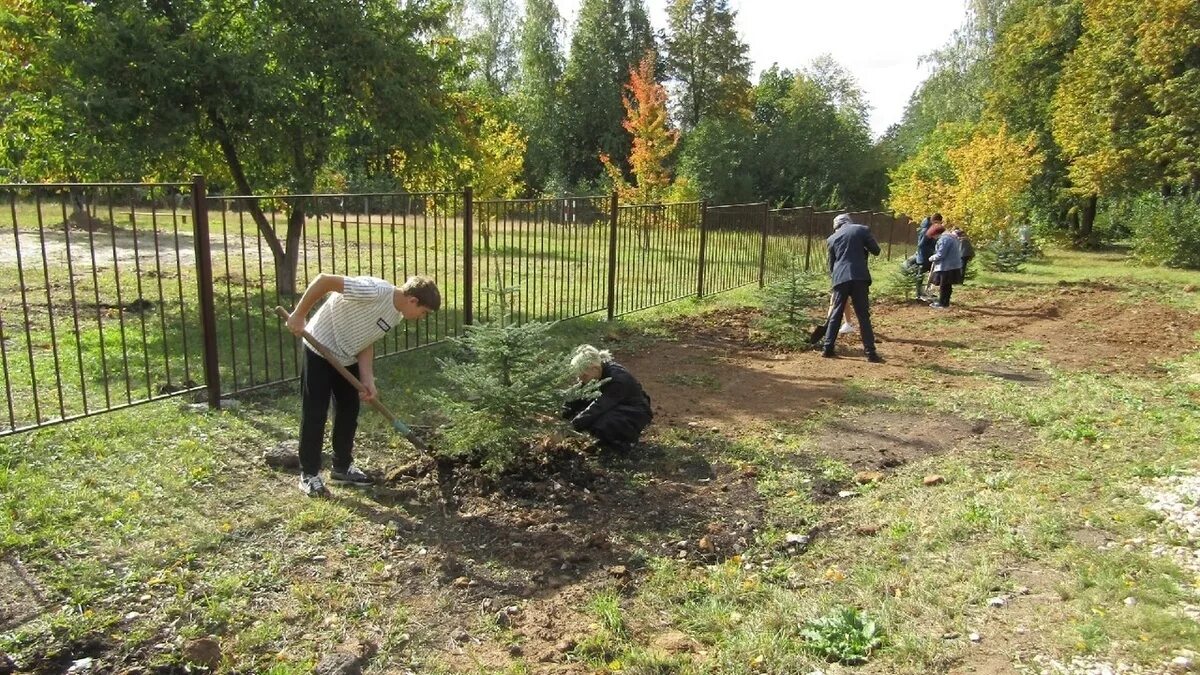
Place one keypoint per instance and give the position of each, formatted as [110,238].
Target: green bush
[1166,231]
[1008,252]
[844,635]
[506,388]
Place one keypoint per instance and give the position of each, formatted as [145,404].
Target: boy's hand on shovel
[295,323]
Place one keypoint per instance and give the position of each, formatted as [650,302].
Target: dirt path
[717,374]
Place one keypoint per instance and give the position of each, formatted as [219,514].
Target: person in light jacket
[947,268]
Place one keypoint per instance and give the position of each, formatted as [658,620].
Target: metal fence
[116,294]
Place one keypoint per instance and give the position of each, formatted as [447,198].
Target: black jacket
[848,249]
[621,393]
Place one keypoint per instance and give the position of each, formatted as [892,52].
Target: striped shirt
[354,319]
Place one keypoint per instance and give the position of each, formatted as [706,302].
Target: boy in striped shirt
[359,311]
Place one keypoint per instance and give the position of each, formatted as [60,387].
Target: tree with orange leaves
[653,142]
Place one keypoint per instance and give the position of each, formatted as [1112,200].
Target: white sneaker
[313,486]
[847,327]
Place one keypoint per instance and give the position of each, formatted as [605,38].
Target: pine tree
[788,302]
[708,59]
[541,69]
[505,391]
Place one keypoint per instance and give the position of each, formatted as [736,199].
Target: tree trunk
[285,258]
[1087,219]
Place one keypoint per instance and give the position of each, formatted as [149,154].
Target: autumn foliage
[653,140]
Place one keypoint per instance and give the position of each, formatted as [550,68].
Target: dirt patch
[1074,326]
[21,598]
[718,372]
[527,553]
[886,440]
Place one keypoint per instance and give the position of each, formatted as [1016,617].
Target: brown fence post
[891,233]
[612,256]
[762,253]
[809,217]
[468,257]
[204,280]
[703,243]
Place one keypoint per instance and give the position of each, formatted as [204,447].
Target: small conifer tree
[1006,253]
[788,303]
[903,279]
[506,388]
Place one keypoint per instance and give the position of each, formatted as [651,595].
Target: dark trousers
[859,293]
[619,425]
[944,294]
[319,381]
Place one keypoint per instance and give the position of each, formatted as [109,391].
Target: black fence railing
[113,295]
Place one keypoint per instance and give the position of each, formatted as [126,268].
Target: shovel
[373,402]
[818,333]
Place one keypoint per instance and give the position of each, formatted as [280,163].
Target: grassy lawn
[142,531]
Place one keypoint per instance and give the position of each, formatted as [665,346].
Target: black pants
[318,382]
[623,425]
[619,426]
[859,292]
[944,294]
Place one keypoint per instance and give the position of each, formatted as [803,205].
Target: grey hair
[587,356]
[843,219]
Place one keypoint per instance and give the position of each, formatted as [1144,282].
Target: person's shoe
[351,475]
[313,486]
[827,352]
[874,358]
[846,328]
[937,305]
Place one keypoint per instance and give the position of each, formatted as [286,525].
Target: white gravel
[1177,500]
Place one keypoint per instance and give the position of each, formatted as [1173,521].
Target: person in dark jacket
[849,246]
[617,418]
[926,243]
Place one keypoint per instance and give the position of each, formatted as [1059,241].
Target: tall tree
[1035,39]
[602,54]
[541,67]
[269,84]
[707,59]
[812,144]
[490,32]
[653,139]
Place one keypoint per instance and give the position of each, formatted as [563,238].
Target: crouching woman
[617,418]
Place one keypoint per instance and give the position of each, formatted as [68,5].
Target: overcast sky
[879,41]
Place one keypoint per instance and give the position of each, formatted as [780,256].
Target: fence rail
[116,294]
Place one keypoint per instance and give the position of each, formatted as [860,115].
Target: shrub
[506,387]
[901,282]
[1008,252]
[1166,231]
[844,635]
